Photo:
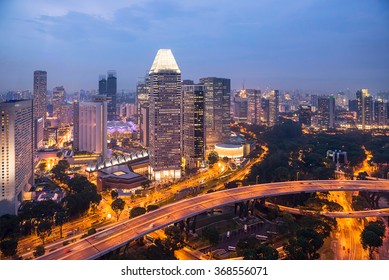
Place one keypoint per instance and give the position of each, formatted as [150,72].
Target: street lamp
[256,179]
[387,175]
[297,175]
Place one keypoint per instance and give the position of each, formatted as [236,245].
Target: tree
[114,194]
[59,170]
[152,207]
[9,226]
[304,246]
[61,217]
[44,230]
[213,157]
[174,239]
[9,247]
[359,203]
[372,236]
[42,167]
[212,235]
[137,211]
[252,249]
[39,251]
[118,207]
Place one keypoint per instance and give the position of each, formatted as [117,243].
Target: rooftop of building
[164,61]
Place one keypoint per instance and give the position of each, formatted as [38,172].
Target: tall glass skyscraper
[217,110]
[193,134]
[365,108]
[40,89]
[111,93]
[165,117]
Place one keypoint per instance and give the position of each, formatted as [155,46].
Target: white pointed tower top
[164,60]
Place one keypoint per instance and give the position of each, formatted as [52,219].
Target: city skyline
[258,44]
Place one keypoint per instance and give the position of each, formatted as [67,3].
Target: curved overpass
[383,212]
[120,234]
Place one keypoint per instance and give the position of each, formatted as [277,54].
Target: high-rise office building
[326,112]
[58,100]
[217,110]
[40,89]
[142,104]
[111,93]
[90,126]
[266,110]
[240,112]
[305,114]
[16,155]
[254,106]
[380,115]
[365,108]
[144,125]
[193,135]
[38,132]
[274,101]
[165,117]
[102,85]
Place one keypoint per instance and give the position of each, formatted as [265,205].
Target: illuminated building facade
[326,112]
[40,89]
[274,100]
[90,131]
[217,110]
[165,117]
[16,155]
[365,108]
[254,106]
[193,136]
[305,114]
[111,93]
[58,100]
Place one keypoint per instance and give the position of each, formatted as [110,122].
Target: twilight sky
[325,45]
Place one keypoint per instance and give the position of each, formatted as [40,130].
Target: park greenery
[372,237]
[250,248]
[293,155]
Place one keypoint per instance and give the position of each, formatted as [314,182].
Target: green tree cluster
[372,236]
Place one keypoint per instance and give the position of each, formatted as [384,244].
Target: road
[384,212]
[117,236]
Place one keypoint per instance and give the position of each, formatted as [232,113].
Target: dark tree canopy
[304,246]
[9,226]
[118,207]
[252,249]
[213,157]
[137,211]
[9,247]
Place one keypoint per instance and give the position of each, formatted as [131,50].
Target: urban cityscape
[178,168]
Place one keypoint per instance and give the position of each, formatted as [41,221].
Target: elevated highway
[120,234]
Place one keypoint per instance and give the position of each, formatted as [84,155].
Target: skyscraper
[16,155]
[58,100]
[380,114]
[40,89]
[102,85]
[90,126]
[112,92]
[193,135]
[217,110]
[305,114]
[326,112]
[165,117]
[254,108]
[365,108]
[274,100]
